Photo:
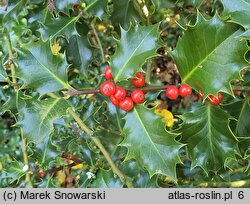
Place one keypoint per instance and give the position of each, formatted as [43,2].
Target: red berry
[120,93]
[139,81]
[220,97]
[172,92]
[236,92]
[107,88]
[75,6]
[213,100]
[138,96]
[114,100]
[185,90]
[41,175]
[201,95]
[107,73]
[126,104]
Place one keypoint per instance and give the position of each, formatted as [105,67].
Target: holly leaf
[149,143]
[78,52]
[135,46]
[36,118]
[209,50]
[164,3]
[238,11]
[96,7]
[64,6]
[61,26]
[245,35]
[195,3]
[41,70]
[3,74]
[106,179]
[124,13]
[240,110]
[14,9]
[209,139]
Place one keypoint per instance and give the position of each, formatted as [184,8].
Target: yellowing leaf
[55,48]
[168,117]
[101,27]
[61,176]
[78,166]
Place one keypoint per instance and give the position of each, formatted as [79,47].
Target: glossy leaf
[96,7]
[240,110]
[3,74]
[164,3]
[194,3]
[246,34]
[149,143]
[209,139]
[207,51]
[14,10]
[124,13]
[61,26]
[106,179]
[78,51]
[238,11]
[39,69]
[135,46]
[36,118]
[65,5]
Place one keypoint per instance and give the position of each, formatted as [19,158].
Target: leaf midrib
[73,19]
[148,135]
[210,129]
[90,5]
[51,73]
[129,58]
[206,57]
[240,115]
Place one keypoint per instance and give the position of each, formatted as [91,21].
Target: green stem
[25,159]
[98,143]
[148,72]
[98,40]
[11,56]
[14,81]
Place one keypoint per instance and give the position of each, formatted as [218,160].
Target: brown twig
[96,91]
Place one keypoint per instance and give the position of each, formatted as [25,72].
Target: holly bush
[184,63]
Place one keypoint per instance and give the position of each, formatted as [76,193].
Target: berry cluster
[119,96]
[212,99]
[173,92]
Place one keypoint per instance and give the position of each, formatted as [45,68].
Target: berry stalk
[96,91]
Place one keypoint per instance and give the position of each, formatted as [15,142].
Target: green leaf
[209,50]
[78,51]
[3,74]
[124,13]
[238,11]
[164,3]
[240,110]
[41,70]
[194,3]
[36,118]
[149,143]
[135,46]
[61,26]
[96,7]
[14,10]
[65,5]
[245,35]
[106,179]
[209,139]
